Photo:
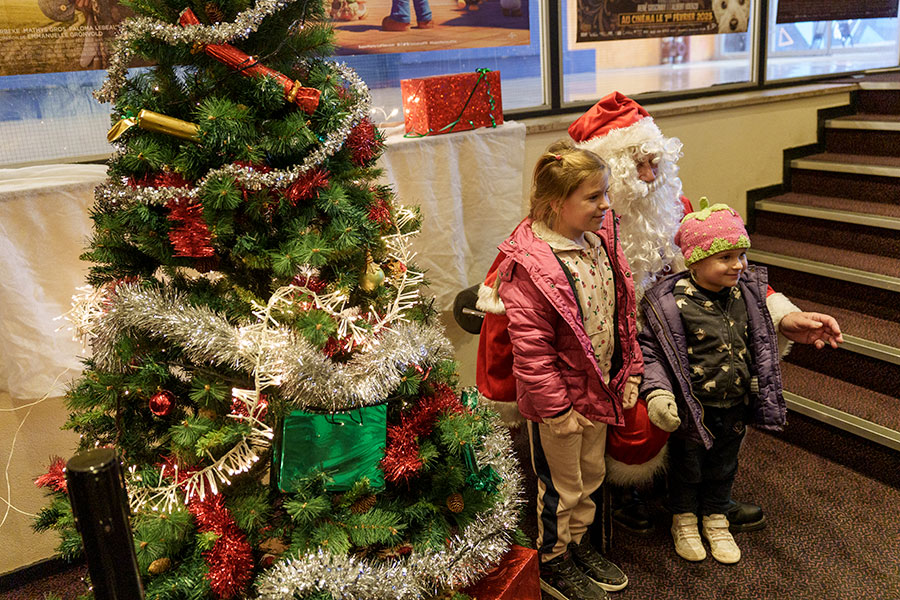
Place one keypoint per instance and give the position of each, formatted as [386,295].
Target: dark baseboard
[35,572]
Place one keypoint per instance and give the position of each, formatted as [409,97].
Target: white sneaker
[721,542]
[687,539]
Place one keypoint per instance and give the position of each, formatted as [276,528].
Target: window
[829,47]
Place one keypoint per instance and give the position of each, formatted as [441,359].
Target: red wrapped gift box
[433,105]
[516,578]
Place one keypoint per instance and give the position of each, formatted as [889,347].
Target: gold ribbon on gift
[153,121]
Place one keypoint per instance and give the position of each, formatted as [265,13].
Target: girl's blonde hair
[558,173]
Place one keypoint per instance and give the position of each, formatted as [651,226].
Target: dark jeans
[700,480]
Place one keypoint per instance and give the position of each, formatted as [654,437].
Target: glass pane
[520,66]
[826,47]
[52,116]
[658,64]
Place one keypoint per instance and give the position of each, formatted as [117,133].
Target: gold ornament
[372,277]
[159,566]
[363,505]
[153,121]
[455,503]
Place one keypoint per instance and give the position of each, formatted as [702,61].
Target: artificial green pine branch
[376,526]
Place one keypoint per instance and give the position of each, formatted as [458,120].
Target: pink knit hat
[710,230]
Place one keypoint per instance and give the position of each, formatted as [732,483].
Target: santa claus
[646,194]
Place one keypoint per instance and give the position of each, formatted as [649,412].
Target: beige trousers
[569,469]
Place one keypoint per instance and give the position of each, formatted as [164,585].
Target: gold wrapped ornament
[372,277]
[153,121]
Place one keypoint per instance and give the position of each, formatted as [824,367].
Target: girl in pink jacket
[569,297]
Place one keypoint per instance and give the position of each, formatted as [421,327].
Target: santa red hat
[614,124]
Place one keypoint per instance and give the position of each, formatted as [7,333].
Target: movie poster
[601,20]
[796,11]
[47,36]
[387,26]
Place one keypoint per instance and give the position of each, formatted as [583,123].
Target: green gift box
[346,445]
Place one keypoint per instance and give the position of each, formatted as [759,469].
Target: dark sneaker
[598,569]
[563,580]
[745,517]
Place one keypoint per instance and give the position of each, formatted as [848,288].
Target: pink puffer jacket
[553,361]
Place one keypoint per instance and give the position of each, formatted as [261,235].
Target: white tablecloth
[44,227]
[468,184]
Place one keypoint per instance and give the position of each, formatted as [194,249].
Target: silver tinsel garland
[117,192]
[474,551]
[308,379]
[133,29]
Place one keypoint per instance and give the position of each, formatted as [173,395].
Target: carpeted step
[876,303]
[883,101]
[878,241]
[847,265]
[863,372]
[857,176]
[842,210]
[873,415]
[861,330]
[871,134]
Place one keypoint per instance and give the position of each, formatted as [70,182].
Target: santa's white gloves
[662,410]
[569,423]
[630,392]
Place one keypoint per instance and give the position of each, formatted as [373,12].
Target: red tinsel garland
[55,476]
[230,560]
[380,212]
[364,142]
[191,238]
[158,180]
[401,456]
[307,186]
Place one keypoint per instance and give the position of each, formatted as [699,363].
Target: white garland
[307,378]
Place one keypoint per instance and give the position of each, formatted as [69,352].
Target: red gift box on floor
[516,578]
[433,105]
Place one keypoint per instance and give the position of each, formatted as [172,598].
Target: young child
[711,351]
[568,293]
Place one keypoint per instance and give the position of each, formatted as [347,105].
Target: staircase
[830,237]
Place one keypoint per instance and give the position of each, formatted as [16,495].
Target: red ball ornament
[162,402]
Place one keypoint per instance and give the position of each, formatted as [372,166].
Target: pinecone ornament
[455,503]
[214,13]
[363,505]
[160,566]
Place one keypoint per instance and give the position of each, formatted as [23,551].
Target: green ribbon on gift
[482,75]
[484,479]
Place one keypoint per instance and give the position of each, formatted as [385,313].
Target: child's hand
[569,423]
[811,328]
[662,410]
[630,392]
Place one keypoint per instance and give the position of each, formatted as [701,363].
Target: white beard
[650,215]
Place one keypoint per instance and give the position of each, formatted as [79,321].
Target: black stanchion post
[100,506]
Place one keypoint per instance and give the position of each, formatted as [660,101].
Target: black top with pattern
[715,324]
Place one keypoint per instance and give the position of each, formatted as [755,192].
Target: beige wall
[727,151]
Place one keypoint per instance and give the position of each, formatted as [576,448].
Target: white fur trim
[779,306]
[489,299]
[508,411]
[623,138]
[619,473]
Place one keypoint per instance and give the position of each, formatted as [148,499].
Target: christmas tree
[281,396]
